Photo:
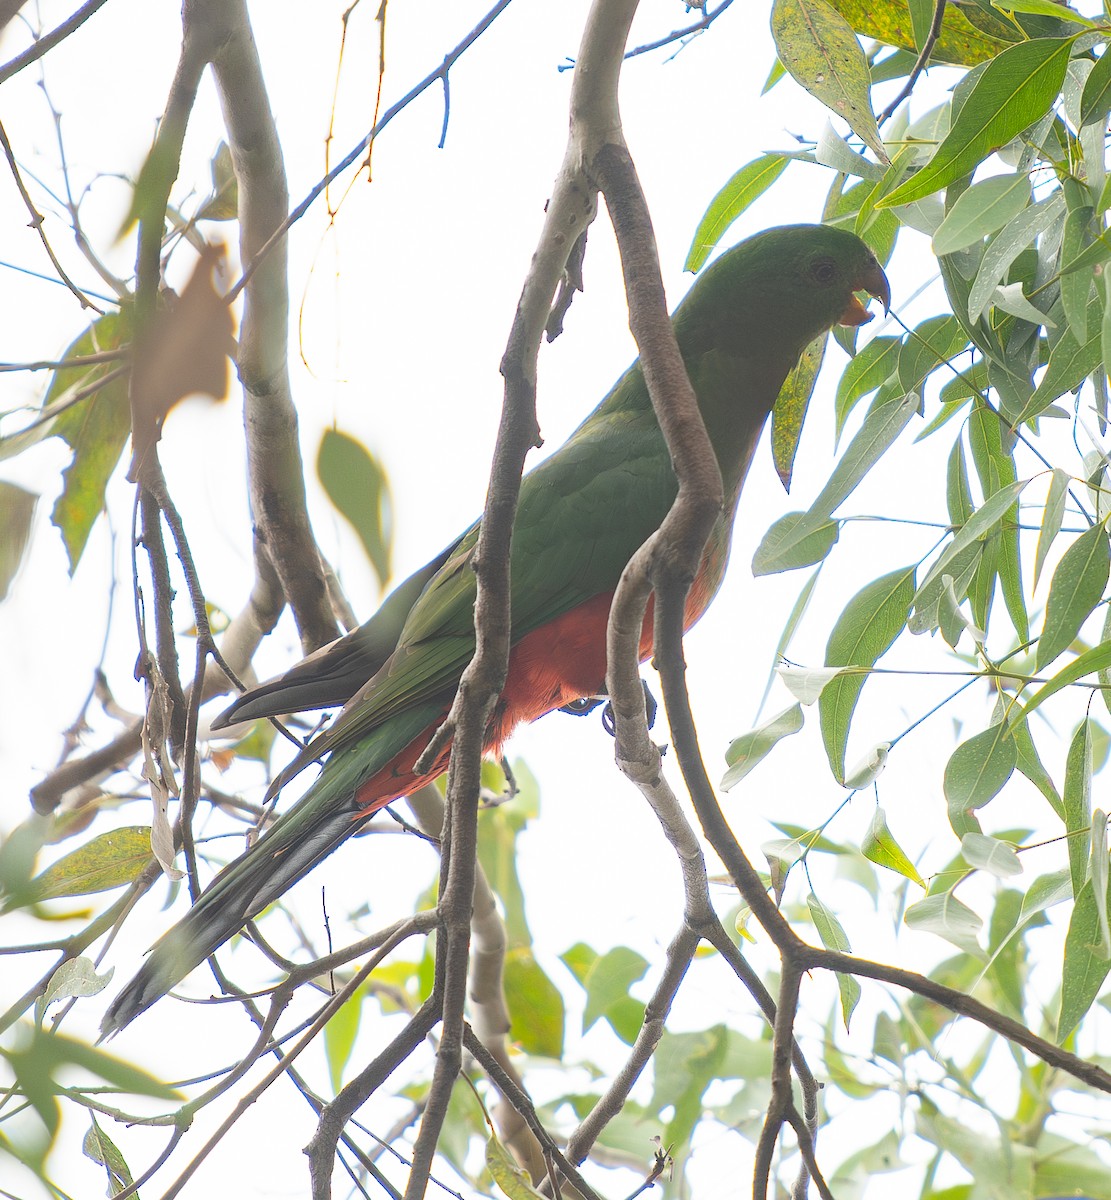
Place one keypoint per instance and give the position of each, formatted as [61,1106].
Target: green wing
[582,514]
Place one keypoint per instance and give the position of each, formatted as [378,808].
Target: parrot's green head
[774,293]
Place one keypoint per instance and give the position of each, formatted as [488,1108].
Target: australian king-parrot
[583,512]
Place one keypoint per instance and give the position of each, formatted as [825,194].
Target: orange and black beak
[873,281]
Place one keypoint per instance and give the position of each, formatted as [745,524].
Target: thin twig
[919,64]
[48,41]
[37,222]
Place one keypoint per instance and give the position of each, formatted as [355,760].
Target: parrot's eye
[824,271]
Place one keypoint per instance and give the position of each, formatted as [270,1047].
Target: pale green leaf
[794,541]
[864,631]
[991,855]
[1006,246]
[750,748]
[1051,518]
[1077,587]
[1083,967]
[1077,797]
[945,916]
[833,936]
[981,210]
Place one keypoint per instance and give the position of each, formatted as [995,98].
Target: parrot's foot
[587,704]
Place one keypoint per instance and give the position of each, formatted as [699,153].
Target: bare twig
[48,41]
[919,64]
[37,221]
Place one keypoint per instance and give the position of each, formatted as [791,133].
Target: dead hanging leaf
[183,351]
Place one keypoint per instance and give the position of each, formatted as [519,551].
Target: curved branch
[276,472]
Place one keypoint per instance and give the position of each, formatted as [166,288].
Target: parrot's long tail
[331,810]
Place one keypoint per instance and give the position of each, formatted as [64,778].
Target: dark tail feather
[286,853]
[331,676]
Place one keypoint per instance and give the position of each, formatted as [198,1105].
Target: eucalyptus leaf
[1015,89]
[981,210]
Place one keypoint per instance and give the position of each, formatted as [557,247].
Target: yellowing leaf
[818,47]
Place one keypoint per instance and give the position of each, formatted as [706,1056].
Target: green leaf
[1016,89]
[223,204]
[17,511]
[1096,99]
[1030,764]
[1096,659]
[606,979]
[1077,796]
[990,854]
[990,513]
[1083,968]
[976,772]
[356,484]
[107,861]
[751,181]
[818,47]
[535,1005]
[1044,8]
[1099,875]
[934,341]
[794,541]
[750,748]
[1006,246]
[947,917]
[790,408]
[881,428]
[871,367]
[1051,518]
[1071,361]
[512,1180]
[98,1146]
[864,631]
[96,428]
[339,1038]
[833,936]
[981,210]
[880,847]
[1077,587]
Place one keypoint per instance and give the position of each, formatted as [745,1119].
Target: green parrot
[583,513]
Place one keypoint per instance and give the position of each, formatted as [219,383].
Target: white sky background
[407,302]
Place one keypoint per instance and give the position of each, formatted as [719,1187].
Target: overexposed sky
[401,308]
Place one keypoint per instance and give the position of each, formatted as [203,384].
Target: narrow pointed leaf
[751,181]
[864,631]
[1083,968]
[1052,518]
[1077,587]
[872,365]
[1077,796]
[1015,90]
[790,408]
[833,936]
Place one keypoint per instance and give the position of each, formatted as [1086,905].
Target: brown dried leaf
[183,351]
